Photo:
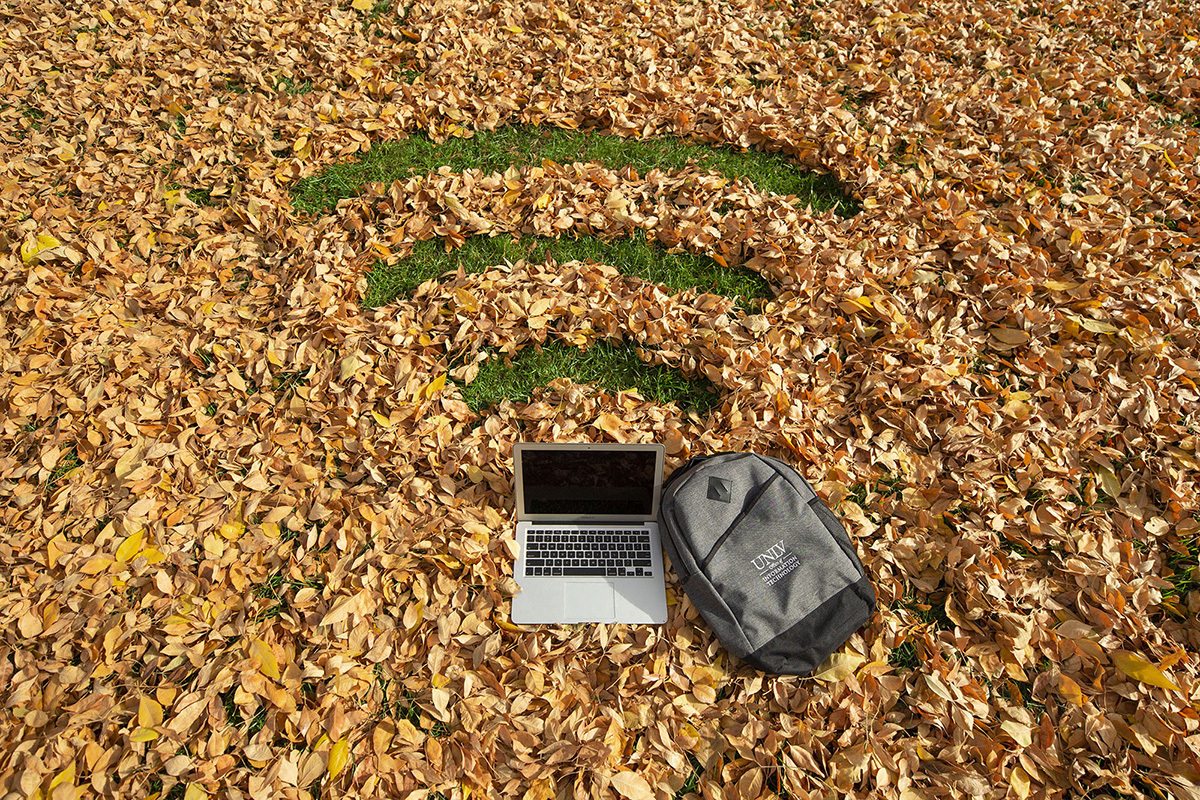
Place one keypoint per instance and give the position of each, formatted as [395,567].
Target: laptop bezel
[520,448]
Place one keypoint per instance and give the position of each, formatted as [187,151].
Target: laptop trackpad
[588,601]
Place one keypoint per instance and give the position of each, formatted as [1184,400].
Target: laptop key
[573,571]
[556,571]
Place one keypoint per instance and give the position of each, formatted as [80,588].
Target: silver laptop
[588,535]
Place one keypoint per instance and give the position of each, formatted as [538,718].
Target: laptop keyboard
[621,553]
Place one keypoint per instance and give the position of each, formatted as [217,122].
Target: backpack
[765,562]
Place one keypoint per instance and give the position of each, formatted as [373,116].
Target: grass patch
[692,784]
[1021,693]
[650,261]
[233,714]
[202,197]
[276,588]
[285,383]
[405,707]
[1183,560]
[613,368]
[288,86]
[495,151]
[66,462]
[904,656]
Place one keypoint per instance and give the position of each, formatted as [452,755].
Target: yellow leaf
[542,201]
[1061,286]
[195,792]
[609,423]
[107,16]
[171,198]
[271,529]
[350,365]
[233,530]
[838,667]
[153,555]
[439,681]
[435,385]
[1096,326]
[338,756]
[66,776]
[150,713]
[267,664]
[96,565]
[361,5]
[1069,689]
[1141,670]
[1021,734]
[1109,482]
[1172,659]
[466,300]
[30,250]
[1010,335]
[632,785]
[129,548]
[143,735]
[1019,780]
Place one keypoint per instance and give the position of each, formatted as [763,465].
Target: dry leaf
[1141,670]
[267,664]
[130,547]
[339,756]
[632,785]
[150,713]
[838,666]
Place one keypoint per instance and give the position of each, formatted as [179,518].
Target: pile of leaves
[253,542]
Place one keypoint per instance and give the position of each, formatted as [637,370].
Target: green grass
[495,151]
[289,86]
[613,368]
[1183,570]
[904,656]
[66,462]
[651,261]
[692,784]
[276,588]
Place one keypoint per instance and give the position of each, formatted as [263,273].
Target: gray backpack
[767,563]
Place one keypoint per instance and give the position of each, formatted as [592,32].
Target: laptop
[588,533]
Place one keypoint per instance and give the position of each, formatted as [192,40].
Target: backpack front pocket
[774,564]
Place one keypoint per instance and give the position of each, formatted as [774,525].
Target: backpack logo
[719,489]
[775,563]
[770,557]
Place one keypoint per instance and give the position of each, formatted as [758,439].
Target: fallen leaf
[150,713]
[339,756]
[1141,670]
[130,547]
[632,785]
[838,666]
[32,249]
[1070,690]
[267,664]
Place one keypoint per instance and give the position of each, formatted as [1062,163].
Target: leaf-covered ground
[255,542]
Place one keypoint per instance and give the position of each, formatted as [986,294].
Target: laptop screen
[567,482]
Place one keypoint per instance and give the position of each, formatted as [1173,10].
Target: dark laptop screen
[566,482]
